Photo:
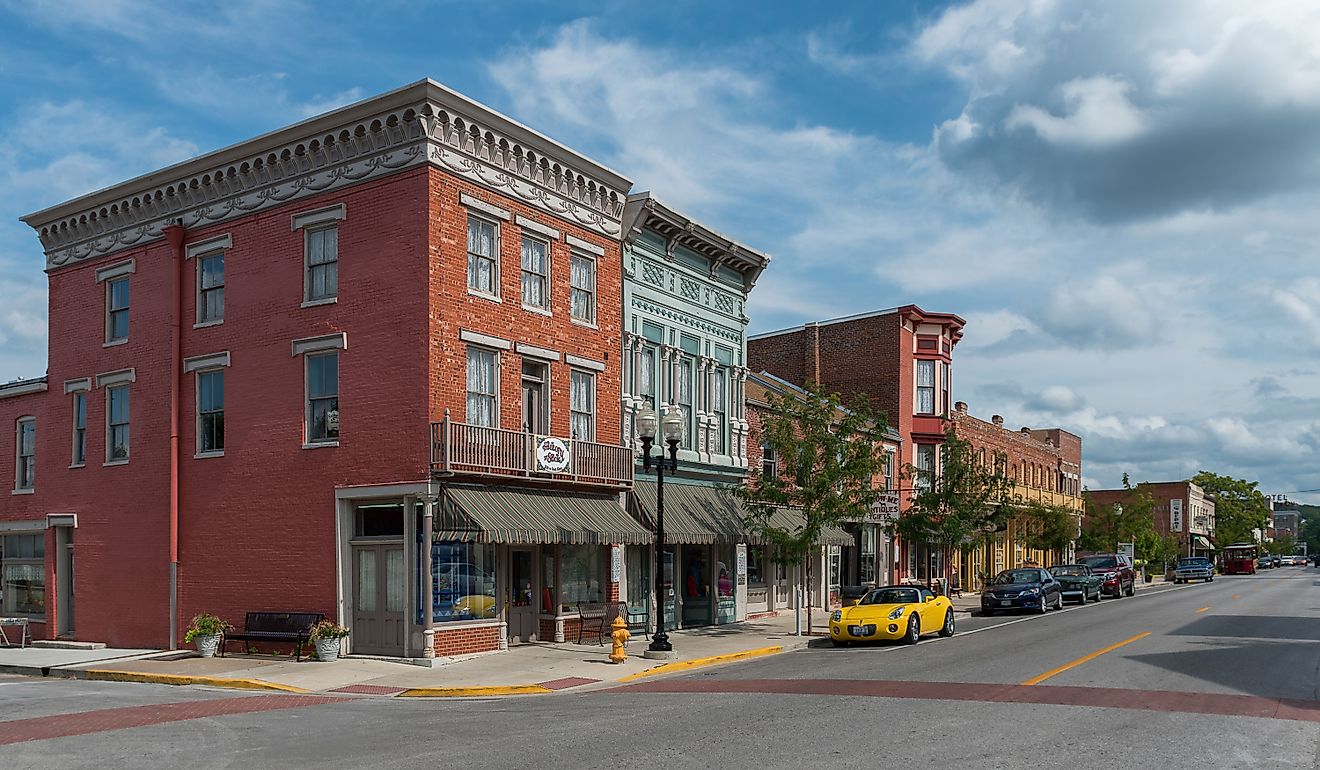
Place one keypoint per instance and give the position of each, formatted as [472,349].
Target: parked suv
[1115,571]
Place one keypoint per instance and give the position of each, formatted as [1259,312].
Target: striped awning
[494,514]
[702,515]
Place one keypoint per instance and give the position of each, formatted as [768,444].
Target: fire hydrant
[620,636]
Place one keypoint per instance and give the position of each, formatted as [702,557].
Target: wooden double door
[379,582]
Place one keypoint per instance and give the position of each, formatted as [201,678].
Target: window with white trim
[24,574]
[211,411]
[891,470]
[925,476]
[582,405]
[322,248]
[79,428]
[535,273]
[925,387]
[116,309]
[583,282]
[686,369]
[25,465]
[719,406]
[946,378]
[483,269]
[116,417]
[322,397]
[646,375]
[482,387]
[769,460]
[211,288]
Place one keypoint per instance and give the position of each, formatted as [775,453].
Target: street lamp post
[672,429]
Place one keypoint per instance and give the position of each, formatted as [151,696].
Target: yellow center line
[1203,609]
[1084,659]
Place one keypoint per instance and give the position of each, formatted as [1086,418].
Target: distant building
[1286,522]
[1182,509]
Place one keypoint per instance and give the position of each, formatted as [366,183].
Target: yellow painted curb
[684,665]
[468,692]
[107,675]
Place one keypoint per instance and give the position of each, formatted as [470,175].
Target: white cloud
[1100,114]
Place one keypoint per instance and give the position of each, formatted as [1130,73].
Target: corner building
[365,365]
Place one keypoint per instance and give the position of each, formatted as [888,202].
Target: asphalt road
[1220,675]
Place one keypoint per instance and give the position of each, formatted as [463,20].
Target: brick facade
[1197,515]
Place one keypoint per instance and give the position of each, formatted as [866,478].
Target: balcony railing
[461,449]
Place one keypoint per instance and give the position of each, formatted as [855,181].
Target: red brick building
[1182,509]
[277,370]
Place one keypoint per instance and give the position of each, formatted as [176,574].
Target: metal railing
[458,448]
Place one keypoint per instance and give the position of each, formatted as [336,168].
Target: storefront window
[866,565]
[579,573]
[462,581]
[24,574]
[548,580]
[755,565]
[639,576]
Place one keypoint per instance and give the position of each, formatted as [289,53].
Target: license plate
[1005,602]
[861,630]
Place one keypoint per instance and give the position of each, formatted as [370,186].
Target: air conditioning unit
[332,421]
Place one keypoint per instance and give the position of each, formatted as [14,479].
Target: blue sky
[1118,197]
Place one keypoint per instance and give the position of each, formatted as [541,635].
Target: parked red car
[1116,573]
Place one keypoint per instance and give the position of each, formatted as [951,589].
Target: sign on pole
[1176,515]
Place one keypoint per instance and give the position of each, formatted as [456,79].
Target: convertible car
[891,613]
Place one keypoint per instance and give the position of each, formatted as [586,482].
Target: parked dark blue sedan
[1027,588]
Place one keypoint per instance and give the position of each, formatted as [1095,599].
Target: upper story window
[719,406]
[211,411]
[646,372]
[686,372]
[482,387]
[211,288]
[25,470]
[583,280]
[535,273]
[946,384]
[116,435]
[891,471]
[925,387]
[925,476]
[483,268]
[322,247]
[79,428]
[769,460]
[582,405]
[116,309]
[322,413]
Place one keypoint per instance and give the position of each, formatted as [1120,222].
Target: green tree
[1161,550]
[828,459]
[1132,520]
[1283,545]
[957,505]
[1239,507]
[1050,528]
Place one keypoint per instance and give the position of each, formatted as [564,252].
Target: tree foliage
[1132,520]
[1283,545]
[1239,507]
[1049,528]
[960,504]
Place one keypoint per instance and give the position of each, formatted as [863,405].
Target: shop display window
[462,581]
[580,575]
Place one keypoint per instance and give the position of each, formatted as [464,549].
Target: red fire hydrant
[620,636]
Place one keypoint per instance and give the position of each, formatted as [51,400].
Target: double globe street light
[672,430]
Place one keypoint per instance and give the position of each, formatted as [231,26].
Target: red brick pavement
[85,722]
[1104,697]
[567,682]
[369,689]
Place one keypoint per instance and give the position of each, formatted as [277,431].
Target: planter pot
[327,649]
[207,645]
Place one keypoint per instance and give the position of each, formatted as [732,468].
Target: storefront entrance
[696,583]
[524,617]
[378,611]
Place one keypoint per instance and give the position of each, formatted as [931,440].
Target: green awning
[1201,542]
[521,515]
[836,536]
[704,515]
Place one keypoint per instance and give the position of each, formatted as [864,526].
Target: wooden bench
[596,617]
[274,627]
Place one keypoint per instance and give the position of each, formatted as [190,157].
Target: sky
[1120,198]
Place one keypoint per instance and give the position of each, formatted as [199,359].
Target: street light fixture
[672,430]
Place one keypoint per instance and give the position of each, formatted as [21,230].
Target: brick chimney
[997,420]
[960,407]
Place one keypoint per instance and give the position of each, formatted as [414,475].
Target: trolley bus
[1240,559]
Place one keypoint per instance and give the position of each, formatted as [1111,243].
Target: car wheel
[914,630]
[947,630]
[1132,588]
[1058,601]
[1083,599]
[1044,605]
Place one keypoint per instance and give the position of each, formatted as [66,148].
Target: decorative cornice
[421,123]
[658,276]
[661,311]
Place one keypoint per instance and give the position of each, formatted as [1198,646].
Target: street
[1225,674]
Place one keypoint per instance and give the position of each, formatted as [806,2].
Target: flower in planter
[327,629]
[205,624]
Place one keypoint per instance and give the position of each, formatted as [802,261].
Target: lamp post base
[660,648]
[660,654]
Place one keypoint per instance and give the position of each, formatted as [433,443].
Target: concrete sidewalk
[535,668]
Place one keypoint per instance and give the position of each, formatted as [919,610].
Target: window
[482,266]
[925,387]
[579,575]
[583,281]
[946,384]
[322,264]
[925,467]
[116,309]
[322,398]
[462,581]
[211,411]
[26,462]
[646,375]
[582,405]
[891,471]
[718,405]
[79,428]
[685,371]
[769,460]
[535,273]
[535,389]
[482,388]
[211,288]
[116,409]
[756,573]
[24,574]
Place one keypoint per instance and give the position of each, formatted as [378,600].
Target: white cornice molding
[218,243]
[23,388]
[81,385]
[209,361]
[584,363]
[117,377]
[336,341]
[421,123]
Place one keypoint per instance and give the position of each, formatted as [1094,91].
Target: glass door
[523,620]
[696,585]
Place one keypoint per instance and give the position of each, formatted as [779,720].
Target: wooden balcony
[472,450]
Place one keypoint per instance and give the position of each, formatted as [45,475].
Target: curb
[106,675]
[470,692]
[713,660]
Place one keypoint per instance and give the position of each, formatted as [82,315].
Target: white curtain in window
[582,399]
[533,265]
[481,387]
[646,375]
[583,280]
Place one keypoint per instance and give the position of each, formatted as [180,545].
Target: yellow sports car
[891,613]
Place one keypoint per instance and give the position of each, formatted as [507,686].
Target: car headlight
[1030,591]
[836,616]
[897,613]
